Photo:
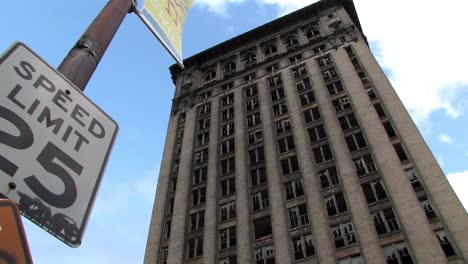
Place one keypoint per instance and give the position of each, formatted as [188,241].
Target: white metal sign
[54,144]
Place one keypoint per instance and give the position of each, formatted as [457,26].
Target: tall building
[288,144]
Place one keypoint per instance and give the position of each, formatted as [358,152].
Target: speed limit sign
[54,144]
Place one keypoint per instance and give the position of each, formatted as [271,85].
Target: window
[227,211]
[256,155]
[265,255]
[249,77]
[296,59]
[289,165]
[198,196]
[227,237]
[227,100]
[379,110]
[249,59]
[210,76]
[363,78]
[317,133]
[282,126]
[270,50]
[253,119]
[197,220]
[228,260]
[348,122]
[336,204]
[398,254]
[272,68]
[329,74]
[312,115]
[324,61]
[364,165]
[313,33]
[445,243]
[227,146]
[322,154]
[329,177]
[299,71]
[204,109]
[291,43]
[349,51]
[199,175]
[171,206]
[341,104]
[262,227]
[344,234]
[294,189]
[413,177]
[203,138]
[227,86]
[351,260]
[251,90]
[319,49]
[303,84]
[164,252]
[385,221]
[307,98]
[201,156]
[195,247]
[286,144]
[400,152]
[355,142]
[227,129]
[389,129]
[228,165]
[298,216]
[229,68]
[251,104]
[303,246]
[428,209]
[335,87]
[167,229]
[275,80]
[260,200]
[277,94]
[180,133]
[255,137]
[374,191]
[228,187]
[258,176]
[280,109]
[371,94]
[227,114]
[204,123]
[205,95]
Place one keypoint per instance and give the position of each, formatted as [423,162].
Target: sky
[420,45]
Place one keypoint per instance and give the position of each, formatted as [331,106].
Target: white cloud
[216,6]
[420,47]
[444,138]
[285,6]
[459,181]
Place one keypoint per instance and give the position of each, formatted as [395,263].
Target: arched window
[270,50]
[210,76]
[313,33]
[291,43]
[249,59]
[229,68]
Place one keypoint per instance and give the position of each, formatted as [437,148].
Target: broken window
[198,196]
[398,254]
[227,146]
[336,204]
[317,133]
[227,114]
[289,165]
[282,126]
[253,119]
[227,100]
[202,138]
[364,165]
[204,109]
[307,98]
[341,104]
[260,200]
[303,246]
[298,216]
[322,154]
[374,191]
[303,84]
[227,129]
[343,234]
[251,90]
[329,177]
[385,221]
[400,152]
[227,211]
[294,189]
[256,155]
[356,142]
[197,220]
[312,115]
[262,227]
[258,176]
[227,237]
[277,94]
[348,122]
[255,137]
[228,187]
[195,247]
[445,243]
[335,87]
[286,144]
[280,109]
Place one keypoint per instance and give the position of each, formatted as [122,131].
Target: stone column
[357,205]
[279,223]
[179,216]
[244,244]
[323,242]
[157,218]
[210,244]
[452,212]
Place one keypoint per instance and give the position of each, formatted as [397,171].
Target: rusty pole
[83,59]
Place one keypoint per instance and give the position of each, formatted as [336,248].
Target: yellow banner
[165,18]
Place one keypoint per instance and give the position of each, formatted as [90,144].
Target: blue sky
[424,58]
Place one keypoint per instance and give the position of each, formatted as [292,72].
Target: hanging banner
[165,19]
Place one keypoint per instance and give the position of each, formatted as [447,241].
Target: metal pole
[83,59]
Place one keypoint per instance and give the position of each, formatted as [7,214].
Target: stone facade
[288,144]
